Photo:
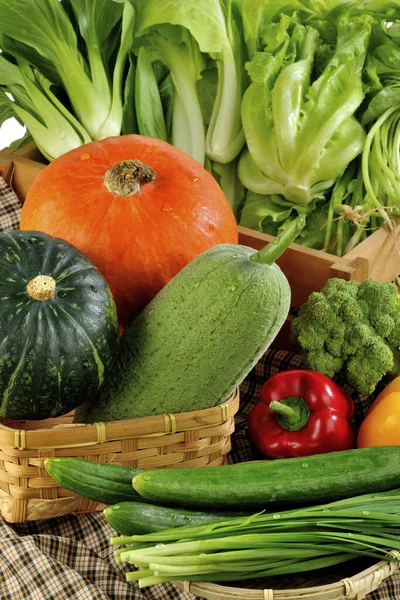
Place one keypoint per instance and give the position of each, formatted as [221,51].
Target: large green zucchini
[318,478]
[201,335]
[58,326]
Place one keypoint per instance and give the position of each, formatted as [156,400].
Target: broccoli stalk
[352,328]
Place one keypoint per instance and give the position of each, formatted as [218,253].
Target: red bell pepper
[300,413]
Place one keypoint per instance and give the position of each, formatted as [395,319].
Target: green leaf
[179,51]
[96,19]
[54,129]
[205,20]
[225,136]
[207,88]
[148,104]
[6,109]
[113,122]
[254,179]
[129,122]
[14,49]
[260,211]
[227,177]
[42,25]
[166,88]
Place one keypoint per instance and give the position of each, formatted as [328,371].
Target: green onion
[262,544]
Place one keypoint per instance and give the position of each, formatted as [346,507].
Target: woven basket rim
[101,432]
[356,586]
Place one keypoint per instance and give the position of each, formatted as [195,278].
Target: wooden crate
[307,270]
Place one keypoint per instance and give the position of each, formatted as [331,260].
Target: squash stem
[274,249]
[125,178]
[41,287]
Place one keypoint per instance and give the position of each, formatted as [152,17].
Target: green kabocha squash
[201,335]
[58,326]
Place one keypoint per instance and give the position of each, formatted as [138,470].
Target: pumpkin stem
[41,287]
[125,177]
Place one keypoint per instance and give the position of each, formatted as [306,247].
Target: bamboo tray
[304,587]
[307,270]
[27,493]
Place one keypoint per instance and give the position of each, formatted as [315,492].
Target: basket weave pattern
[192,439]
[348,588]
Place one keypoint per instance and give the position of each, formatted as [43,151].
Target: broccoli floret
[352,328]
[366,368]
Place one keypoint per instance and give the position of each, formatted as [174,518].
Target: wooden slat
[382,251]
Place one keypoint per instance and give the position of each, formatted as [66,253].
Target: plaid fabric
[71,557]
[10,208]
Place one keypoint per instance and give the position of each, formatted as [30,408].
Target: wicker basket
[355,587]
[27,493]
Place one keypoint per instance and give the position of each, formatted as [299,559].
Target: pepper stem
[291,413]
[282,409]
[274,249]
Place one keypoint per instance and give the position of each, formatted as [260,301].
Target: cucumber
[293,481]
[133,518]
[200,336]
[102,482]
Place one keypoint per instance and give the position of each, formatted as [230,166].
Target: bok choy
[40,39]
[183,35]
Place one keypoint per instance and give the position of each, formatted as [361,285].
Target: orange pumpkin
[138,207]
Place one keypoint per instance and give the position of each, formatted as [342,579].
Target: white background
[10,130]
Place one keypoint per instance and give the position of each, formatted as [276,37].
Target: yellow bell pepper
[393,386]
[381,426]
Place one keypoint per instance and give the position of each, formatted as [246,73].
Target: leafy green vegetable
[178,33]
[227,177]
[302,133]
[53,127]
[45,30]
[149,109]
[179,51]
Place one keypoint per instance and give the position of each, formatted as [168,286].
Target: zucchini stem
[274,249]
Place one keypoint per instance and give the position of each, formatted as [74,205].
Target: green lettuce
[301,133]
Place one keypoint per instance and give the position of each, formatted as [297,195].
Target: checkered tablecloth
[10,207]
[70,558]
